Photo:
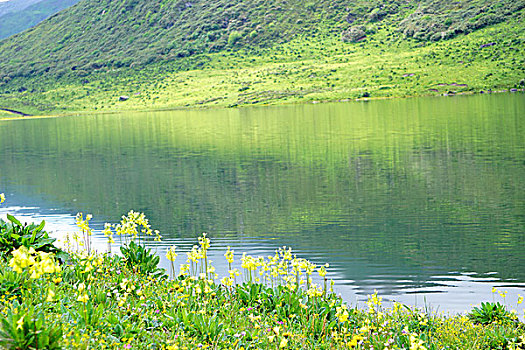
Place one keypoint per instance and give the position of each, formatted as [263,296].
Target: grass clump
[104,301]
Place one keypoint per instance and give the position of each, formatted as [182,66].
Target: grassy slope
[288,60]
[302,70]
[101,34]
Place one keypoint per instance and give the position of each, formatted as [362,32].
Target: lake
[421,199]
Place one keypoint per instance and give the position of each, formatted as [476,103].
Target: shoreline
[12,111]
[24,116]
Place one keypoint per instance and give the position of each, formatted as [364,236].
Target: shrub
[234,37]
[376,15]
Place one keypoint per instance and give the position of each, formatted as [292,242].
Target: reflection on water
[421,199]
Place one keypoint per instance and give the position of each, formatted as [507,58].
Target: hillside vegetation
[98,49]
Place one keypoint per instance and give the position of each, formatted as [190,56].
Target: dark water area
[422,199]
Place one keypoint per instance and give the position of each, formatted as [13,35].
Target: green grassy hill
[95,51]
[19,19]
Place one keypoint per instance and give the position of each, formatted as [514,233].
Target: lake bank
[10,111]
[22,116]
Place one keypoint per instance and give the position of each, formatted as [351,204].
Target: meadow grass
[125,301]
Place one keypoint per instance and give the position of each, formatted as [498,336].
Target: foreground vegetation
[77,298]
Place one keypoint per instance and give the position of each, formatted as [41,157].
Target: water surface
[421,199]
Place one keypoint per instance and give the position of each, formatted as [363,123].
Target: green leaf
[14,220]
[41,226]
[44,242]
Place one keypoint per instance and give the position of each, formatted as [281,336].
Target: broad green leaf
[13,220]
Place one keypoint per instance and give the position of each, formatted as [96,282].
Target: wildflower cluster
[171,256]
[85,230]
[281,269]
[36,263]
[132,226]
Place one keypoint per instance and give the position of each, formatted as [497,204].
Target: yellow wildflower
[287,254]
[373,301]
[50,296]
[355,341]
[229,255]
[170,254]
[204,242]
[227,281]
[2,198]
[84,224]
[314,291]
[83,298]
[416,343]
[38,263]
[322,270]
[342,313]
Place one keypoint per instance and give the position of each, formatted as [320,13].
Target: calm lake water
[421,199]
